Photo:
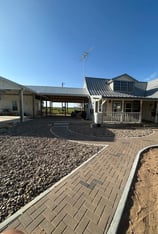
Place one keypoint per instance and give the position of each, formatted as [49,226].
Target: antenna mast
[84,59]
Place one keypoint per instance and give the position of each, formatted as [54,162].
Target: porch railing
[126,117]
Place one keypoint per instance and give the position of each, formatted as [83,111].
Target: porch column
[101,106]
[140,114]
[21,105]
[122,111]
[156,116]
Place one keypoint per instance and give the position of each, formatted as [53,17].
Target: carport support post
[21,105]
[65,108]
[50,107]
[41,106]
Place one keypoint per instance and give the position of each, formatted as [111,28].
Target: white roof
[152,89]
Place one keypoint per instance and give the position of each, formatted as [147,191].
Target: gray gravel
[32,160]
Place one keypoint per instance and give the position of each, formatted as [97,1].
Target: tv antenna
[84,58]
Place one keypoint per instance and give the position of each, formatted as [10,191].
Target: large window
[128,107]
[123,86]
[116,107]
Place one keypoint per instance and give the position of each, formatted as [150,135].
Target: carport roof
[61,94]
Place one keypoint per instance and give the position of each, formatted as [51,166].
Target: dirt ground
[141,211]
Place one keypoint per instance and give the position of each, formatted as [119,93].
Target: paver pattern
[85,202]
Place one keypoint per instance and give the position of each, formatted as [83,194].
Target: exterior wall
[6,103]
[111,85]
[28,105]
[125,78]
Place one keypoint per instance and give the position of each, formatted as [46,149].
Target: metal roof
[152,89]
[97,86]
[61,94]
[47,90]
[101,87]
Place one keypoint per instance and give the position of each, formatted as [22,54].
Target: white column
[140,114]
[122,111]
[21,105]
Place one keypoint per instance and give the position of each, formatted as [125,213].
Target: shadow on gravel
[65,128]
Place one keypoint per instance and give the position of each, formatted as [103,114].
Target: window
[14,106]
[123,86]
[136,106]
[116,85]
[128,107]
[116,107]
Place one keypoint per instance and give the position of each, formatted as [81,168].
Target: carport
[63,95]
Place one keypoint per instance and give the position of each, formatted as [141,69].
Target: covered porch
[125,110]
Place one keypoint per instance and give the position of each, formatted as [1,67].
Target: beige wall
[7,100]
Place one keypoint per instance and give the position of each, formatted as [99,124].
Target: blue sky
[42,41]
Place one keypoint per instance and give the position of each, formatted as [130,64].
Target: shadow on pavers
[40,127]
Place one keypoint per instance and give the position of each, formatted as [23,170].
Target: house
[120,99]
[16,99]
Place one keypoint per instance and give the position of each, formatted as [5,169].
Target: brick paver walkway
[85,202]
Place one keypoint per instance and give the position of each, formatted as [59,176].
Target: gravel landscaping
[32,160]
[111,130]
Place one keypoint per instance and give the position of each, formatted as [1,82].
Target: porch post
[21,105]
[122,111]
[140,114]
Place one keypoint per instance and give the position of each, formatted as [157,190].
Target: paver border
[120,208]
[10,219]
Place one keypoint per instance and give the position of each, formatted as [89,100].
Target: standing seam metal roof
[97,86]
[100,87]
